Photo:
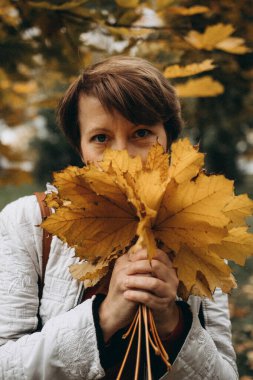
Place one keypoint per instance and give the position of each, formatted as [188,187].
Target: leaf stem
[158,341]
[137,365]
[145,318]
[152,338]
[136,321]
[131,326]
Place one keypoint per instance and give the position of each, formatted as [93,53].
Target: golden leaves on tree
[177,71]
[184,11]
[66,6]
[33,78]
[14,176]
[127,3]
[217,37]
[10,154]
[201,87]
[104,208]
[8,14]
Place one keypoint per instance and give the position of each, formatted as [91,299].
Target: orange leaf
[201,87]
[186,161]
[66,6]
[237,246]
[89,273]
[85,229]
[216,272]
[104,208]
[127,3]
[191,212]
[217,37]
[184,11]
[211,36]
[237,209]
[177,71]
[233,45]
[14,177]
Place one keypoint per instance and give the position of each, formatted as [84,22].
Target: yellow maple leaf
[190,261]
[233,45]
[132,176]
[127,3]
[185,161]
[14,176]
[156,160]
[90,273]
[54,201]
[66,6]
[211,36]
[237,209]
[25,87]
[128,33]
[82,223]
[161,4]
[120,162]
[201,87]
[184,11]
[105,208]
[237,246]
[177,71]
[9,14]
[217,37]
[191,212]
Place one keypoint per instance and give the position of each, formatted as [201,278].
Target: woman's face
[101,129]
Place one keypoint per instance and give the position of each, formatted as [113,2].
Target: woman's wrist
[106,322]
[169,323]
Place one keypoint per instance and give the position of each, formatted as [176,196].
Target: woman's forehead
[93,115]
[89,103]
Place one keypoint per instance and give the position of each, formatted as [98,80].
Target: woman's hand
[154,286]
[135,282]
[116,311]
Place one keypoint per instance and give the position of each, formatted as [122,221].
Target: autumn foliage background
[45,44]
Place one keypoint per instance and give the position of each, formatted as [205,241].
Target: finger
[158,269]
[121,262]
[163,257]
[148,299]
[142,254]
[150,284]
[139,267]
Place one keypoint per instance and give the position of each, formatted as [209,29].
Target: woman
[121,103]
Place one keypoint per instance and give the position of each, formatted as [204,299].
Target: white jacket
[66,348]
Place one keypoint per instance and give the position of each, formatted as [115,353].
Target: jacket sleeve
[207,353]
[66,347]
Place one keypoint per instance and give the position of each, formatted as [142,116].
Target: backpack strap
[201,315]
[46,239]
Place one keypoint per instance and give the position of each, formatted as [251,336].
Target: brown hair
[132,86]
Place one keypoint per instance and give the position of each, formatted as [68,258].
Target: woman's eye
[142,133]
[101,138]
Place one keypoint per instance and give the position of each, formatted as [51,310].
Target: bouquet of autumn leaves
[104,208]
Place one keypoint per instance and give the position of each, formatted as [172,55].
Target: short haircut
[132,86]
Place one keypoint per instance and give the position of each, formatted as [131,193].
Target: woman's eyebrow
[93,130]
[97,130]
[135,127]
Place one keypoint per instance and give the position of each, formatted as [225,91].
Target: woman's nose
[119,144]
